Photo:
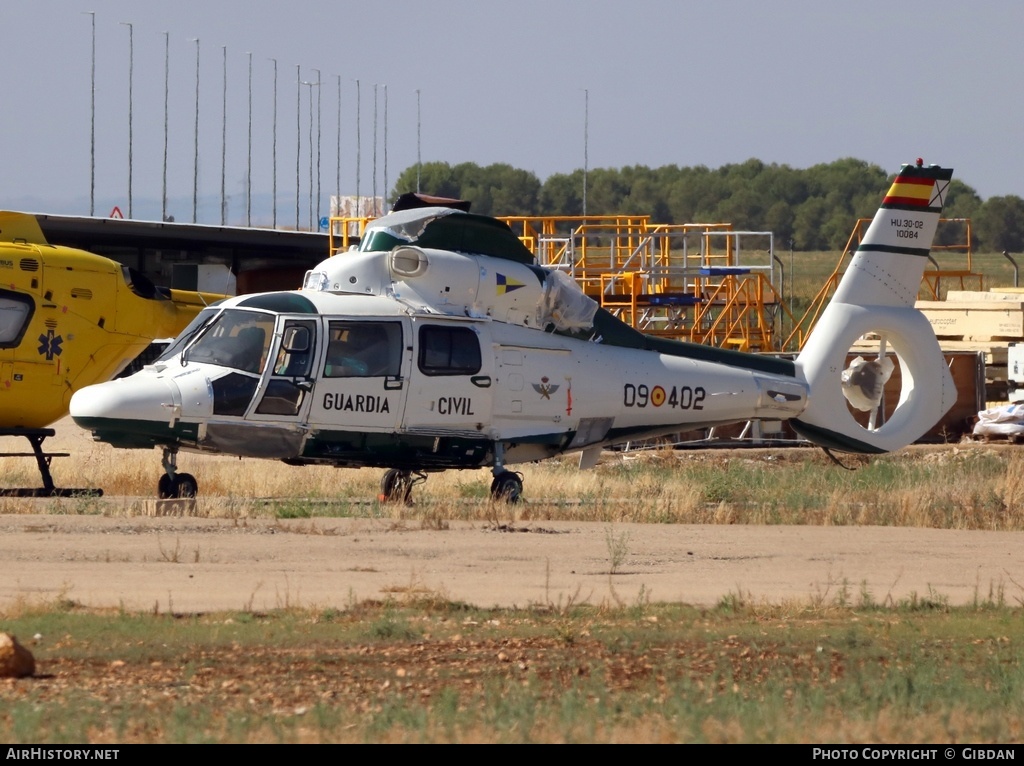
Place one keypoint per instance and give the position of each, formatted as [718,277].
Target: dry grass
[971,486]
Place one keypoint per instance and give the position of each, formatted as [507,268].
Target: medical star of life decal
[544,388]
[50,345]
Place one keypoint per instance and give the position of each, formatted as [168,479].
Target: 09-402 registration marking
[676,397]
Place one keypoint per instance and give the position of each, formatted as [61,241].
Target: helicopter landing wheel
[165,487]
[182,485]
[507,487]
[396,487]
[187,485]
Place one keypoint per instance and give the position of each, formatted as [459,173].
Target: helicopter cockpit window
[363,350]
[237,339]
[15,311]
[449,350]
[295,356]
[186,336]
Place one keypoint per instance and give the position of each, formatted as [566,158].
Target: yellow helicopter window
[15,311]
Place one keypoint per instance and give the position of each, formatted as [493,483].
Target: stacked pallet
[980,321]
[977,316]
[967,369]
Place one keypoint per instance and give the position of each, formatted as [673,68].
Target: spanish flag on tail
[916,190]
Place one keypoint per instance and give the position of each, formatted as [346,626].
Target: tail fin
[877,295]
[20,227]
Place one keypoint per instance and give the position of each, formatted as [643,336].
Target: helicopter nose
[125,401]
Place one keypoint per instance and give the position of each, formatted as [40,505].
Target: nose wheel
[179,486]
[174,485]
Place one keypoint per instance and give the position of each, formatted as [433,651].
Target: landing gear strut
[507,486]
[174,485]
[35,437]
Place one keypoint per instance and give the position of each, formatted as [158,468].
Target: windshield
[235,338]
[185,337]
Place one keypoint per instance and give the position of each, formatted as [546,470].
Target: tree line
[810,209]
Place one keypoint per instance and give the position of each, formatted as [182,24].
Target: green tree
[780,219]
[512,191]
[562,194]
[498,189]
[685,190]
[1000,224]
[808,223]
[816,208]
[962,202]
[436,178]
[647,192]
[606,191]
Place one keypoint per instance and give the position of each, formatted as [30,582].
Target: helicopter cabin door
[452,380]
[361,385]
[284,390]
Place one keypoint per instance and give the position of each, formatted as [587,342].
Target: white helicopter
[439,344]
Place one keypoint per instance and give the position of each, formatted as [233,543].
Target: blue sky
[666,82]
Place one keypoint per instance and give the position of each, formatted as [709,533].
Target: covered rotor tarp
[411,200]
[1005,420]
[407,224]
[445,228]
[564,304]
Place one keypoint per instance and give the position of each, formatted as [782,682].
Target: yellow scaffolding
[950,262]
[700,282]
[344,232]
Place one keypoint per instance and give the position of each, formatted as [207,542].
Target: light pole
[359,156]
[419,163]
[374,185]
[224,140]
[310,85]
[318,133]
[337,180]
[92,123]
[131,73]
[273,189]
[167,61]
[586,145]
[195,152]
[248,165]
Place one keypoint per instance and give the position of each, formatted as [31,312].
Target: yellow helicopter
[68,319]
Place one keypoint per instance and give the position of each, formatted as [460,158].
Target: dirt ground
[190,564]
